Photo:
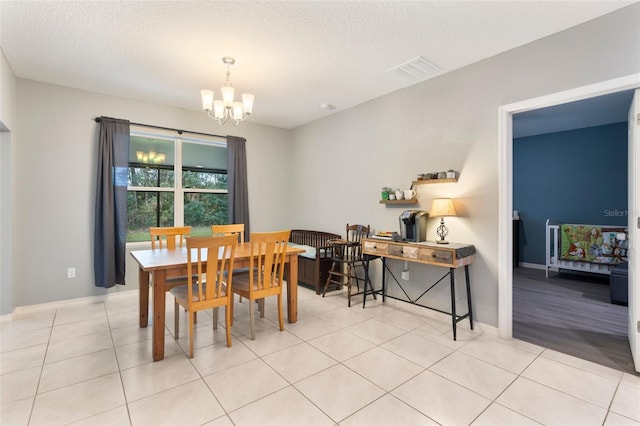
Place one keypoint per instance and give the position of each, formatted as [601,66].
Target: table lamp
[442,207]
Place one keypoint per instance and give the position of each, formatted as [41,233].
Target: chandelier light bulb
[247,103]
[207,99]
[218,109]
[227,95]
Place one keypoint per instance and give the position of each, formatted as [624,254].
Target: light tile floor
[86,363]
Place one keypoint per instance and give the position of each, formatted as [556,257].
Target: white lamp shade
[442,207]
[218,109]
[247,102]
[207,99]
[227,95]
[237,110]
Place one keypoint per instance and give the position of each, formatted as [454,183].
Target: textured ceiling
[292,55]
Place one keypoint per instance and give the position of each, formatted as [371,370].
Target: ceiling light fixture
[227,108]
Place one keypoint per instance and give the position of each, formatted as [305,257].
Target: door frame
[505,180]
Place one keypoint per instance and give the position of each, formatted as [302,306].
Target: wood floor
[571,313]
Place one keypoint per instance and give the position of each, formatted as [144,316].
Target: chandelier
[151,157]
[227,108]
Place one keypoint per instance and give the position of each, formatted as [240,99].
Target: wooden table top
[151,260]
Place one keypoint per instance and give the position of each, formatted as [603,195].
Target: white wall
[448,122]
[55,167]
[7,136]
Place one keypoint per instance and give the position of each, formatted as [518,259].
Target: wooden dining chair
[266,273]
[211,259]
[170,237]
[232,228]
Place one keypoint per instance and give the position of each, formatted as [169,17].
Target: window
[175,182]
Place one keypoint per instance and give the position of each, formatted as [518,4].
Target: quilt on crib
[594,244]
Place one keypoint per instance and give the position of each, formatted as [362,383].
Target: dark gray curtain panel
[111,203]
[237,181]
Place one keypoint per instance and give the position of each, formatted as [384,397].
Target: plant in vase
[451,174]
[385,192]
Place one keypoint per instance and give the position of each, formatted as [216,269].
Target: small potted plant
[442,175]
[386,191]
[451,174]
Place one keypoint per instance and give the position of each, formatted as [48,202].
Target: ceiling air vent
[417,68]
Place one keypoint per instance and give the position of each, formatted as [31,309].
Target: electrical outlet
[71,272]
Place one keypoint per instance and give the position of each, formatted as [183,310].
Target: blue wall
[577,176]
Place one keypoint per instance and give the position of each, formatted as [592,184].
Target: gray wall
[449,122]
[319,176]
[55,167]
[7,136]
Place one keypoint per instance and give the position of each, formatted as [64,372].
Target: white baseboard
[532,265]
[24,311]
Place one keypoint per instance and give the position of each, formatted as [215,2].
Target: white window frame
[177,189]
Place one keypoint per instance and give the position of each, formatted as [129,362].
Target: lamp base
[442,232]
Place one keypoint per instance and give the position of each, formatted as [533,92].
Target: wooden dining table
[167,263]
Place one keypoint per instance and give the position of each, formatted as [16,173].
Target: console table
[450,256]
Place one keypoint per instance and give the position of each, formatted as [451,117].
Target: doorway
[505,265]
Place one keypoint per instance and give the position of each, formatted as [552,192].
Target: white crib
[553,258]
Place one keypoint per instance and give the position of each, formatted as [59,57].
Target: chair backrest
[234,228]
[268,254]
[355,233]
[211,261]
[168,235]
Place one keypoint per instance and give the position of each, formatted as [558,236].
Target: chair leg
[252,321]
[176,319]
[354,274]
[326,284]
[192,318]
[329,280]
[232,299]
[227,314]
[261,307]
[280,315]
[215,318]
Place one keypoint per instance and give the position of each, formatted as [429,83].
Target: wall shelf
[411,201]
[426,181]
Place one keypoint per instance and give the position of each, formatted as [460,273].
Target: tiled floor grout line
[115,354]
[33,403]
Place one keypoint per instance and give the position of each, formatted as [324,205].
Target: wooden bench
[315,262]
